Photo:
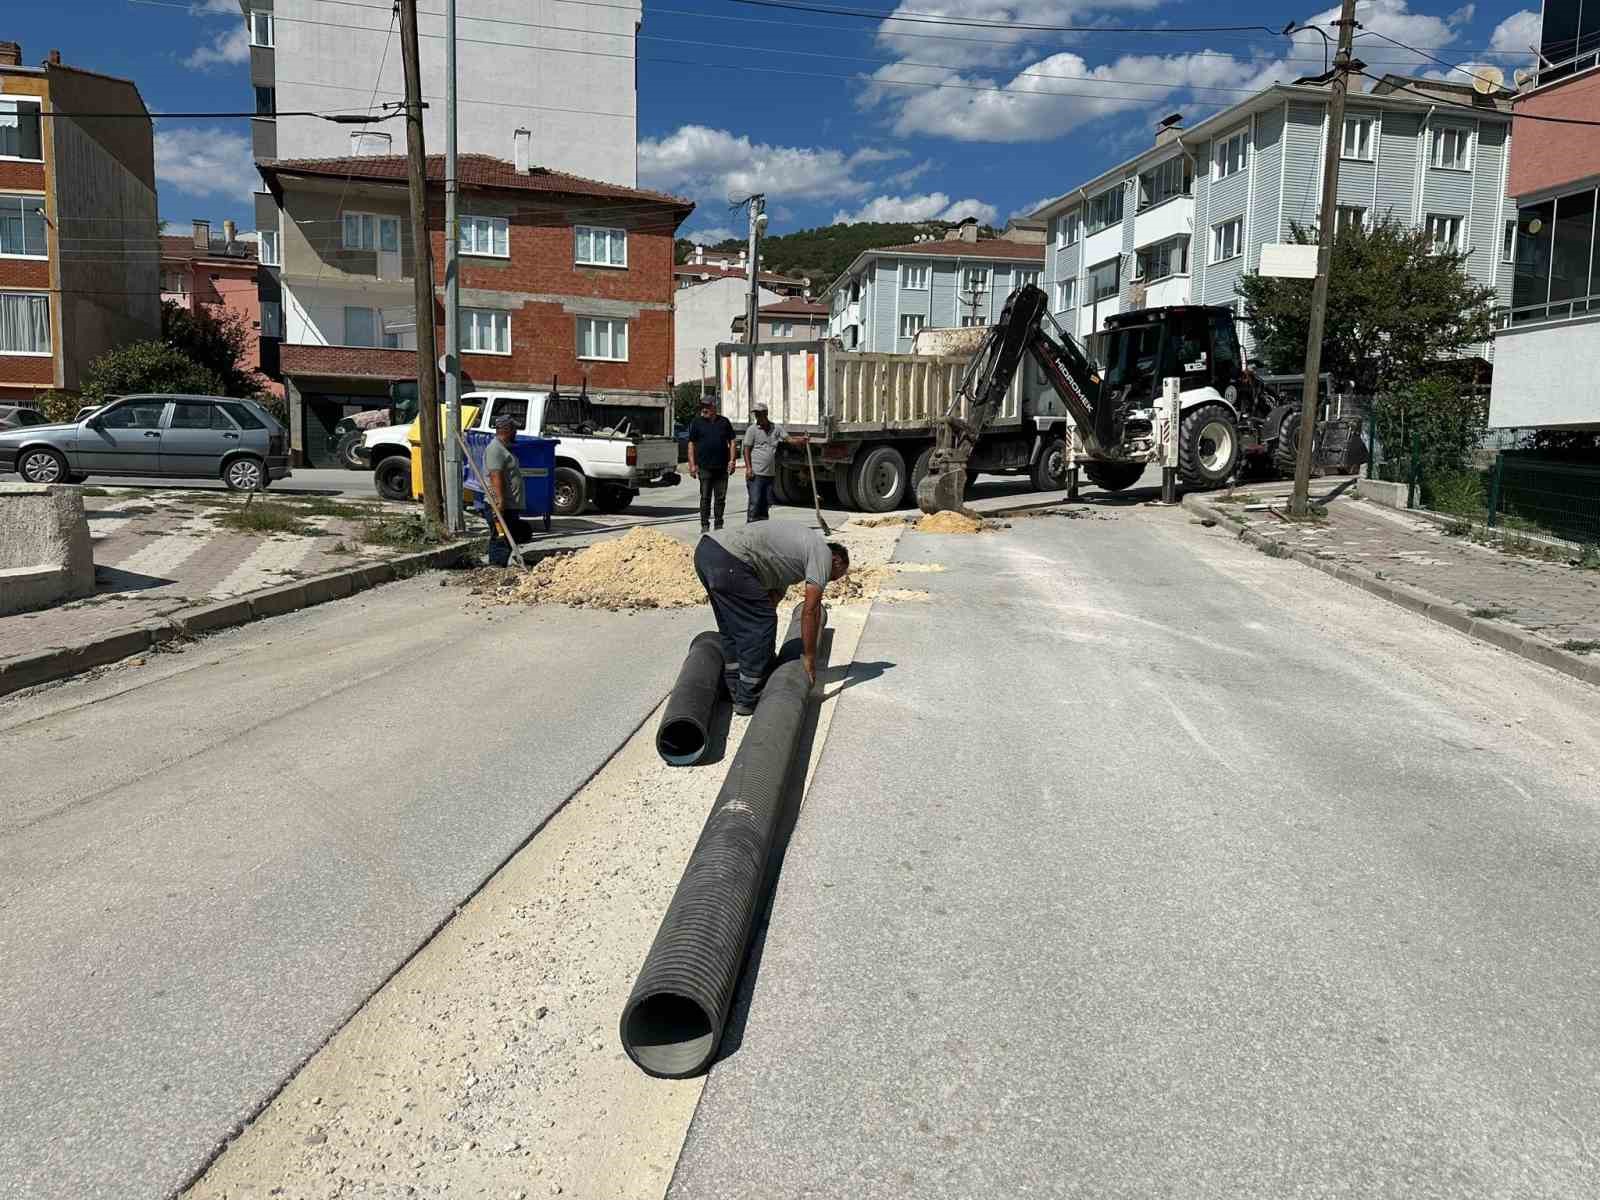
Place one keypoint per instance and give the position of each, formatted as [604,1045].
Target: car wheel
[42,465]
[245,474]
[392,478]
[613,499]
[571,492]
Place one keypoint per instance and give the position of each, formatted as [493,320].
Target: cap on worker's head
[759,406]
[505,422]
[707,402]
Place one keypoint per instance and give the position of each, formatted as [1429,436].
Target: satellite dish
[1523,77]
[1487,80]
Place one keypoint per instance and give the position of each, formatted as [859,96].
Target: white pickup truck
[605,466]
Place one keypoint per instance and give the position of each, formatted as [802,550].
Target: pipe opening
[681,742]
[669,1035]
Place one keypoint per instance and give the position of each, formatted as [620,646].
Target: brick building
[202,272]
[564,280]
[77,222]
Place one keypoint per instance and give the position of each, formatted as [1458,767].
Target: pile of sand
[949,522]
[878,522]
[859,583]
[640,569]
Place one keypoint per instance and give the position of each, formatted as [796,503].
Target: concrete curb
[60,662]
[1426,604]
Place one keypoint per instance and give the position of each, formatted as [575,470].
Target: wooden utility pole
[422,270]
[758,223]
[1300,501]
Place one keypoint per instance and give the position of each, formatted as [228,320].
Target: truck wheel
[841,487]
[783,487]
[613,499]
[393,477]
[346,451]
[879,480]
[1049,474]
[919,469]
[572,492]
[1286,454]
[1112,476]
[1208,445]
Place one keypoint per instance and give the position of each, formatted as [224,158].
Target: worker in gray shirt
[746,571]
[502,473]
[761,441]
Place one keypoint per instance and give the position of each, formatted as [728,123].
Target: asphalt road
[1139,864]
[208,862]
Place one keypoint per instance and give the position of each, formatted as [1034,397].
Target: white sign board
[1285,260]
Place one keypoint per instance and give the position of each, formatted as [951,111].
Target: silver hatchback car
[184,437]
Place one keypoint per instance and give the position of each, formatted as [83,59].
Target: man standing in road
[761,440]
[502,474]
[711,460]
[746,572]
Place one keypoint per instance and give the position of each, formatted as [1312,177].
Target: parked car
[16,416]
[183,437]
[87,411]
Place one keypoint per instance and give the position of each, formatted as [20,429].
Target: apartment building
[203,272]
[1180,222]
[563,280]
[792,319]
[881,301]
[1547,351]
[78,254]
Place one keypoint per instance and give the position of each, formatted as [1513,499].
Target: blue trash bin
[537,458]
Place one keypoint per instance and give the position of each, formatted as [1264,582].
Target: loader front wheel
[1208,445]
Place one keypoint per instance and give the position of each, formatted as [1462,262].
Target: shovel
[816,503]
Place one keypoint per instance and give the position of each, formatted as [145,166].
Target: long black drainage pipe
[686,723]
[674,1019]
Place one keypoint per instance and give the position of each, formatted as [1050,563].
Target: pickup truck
[605,466]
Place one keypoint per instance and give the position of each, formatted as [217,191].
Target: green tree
[216,339]
[686,401]
[147,367]
[1397,309]
[1447,421]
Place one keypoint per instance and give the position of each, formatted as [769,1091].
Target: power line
[1472,108]
[338,118]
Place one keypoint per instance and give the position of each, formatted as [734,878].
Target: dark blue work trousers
[746,618]
[758,494]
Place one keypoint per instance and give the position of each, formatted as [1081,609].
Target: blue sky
[838,119]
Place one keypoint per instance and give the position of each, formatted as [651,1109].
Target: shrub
[58,405]
[147,367]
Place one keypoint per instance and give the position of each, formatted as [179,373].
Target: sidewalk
[1546,610]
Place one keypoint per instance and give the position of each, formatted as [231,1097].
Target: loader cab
[1198,344]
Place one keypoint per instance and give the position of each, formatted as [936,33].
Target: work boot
[744,708]
[705,529]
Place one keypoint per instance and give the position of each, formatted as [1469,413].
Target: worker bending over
[746,572]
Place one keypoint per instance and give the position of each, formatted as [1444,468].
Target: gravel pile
[949,522]
[640,569]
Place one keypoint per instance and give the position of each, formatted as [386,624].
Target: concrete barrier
[45,556]
[1391,495]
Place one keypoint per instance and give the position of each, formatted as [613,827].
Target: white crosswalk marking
[267,566]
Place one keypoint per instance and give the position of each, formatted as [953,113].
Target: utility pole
[422,268]
[758,222]
[1300,500]
[702,372]
[452,288]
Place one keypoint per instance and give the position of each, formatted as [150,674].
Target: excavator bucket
[941,491]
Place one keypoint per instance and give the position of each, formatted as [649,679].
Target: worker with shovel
[503,475]
[746,572]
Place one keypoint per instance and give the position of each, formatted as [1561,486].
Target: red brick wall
[27,369]
[345,360]
[24,273]
[1545,155]
[22,175]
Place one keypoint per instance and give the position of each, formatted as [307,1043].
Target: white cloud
[205,162]
[226,49]
[1516,33]
[935,206]
[716,166]
[710,235]
[1027,209]
[214,7]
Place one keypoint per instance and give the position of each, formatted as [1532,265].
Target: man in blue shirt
[711,458]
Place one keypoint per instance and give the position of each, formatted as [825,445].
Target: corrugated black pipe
[674,1019]
[685,725]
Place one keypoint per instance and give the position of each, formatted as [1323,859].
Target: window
[1164,259]
[22,227]
[485,331]
[365,231]
[174,281]
[1357,138]
[1452,149]
[1530,281]
[1027,279]
[1348,217]
[260,28]
[910,323]
[1227,240]
[1073,222]
[1232,154]
[269,247]
[1508,243]
[1163,182]
[271,319]
[266,102]
[1569,250]
[135,414]
[975,279]
[603,338]
[24,323]
[242,414]
[364,327]
[915,278]
[1066,294]
[191,414]
[601,247]
[1444,232]
[19,129]
[783,329]
[1105,210]
[486,236]
[971,322]
[1105,280]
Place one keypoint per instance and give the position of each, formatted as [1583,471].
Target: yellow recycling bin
[469,415]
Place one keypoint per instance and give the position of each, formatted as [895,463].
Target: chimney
[699,254]
[522,143]
[229,230]
[53,59]
[10,54]
[1169,129]
[967,231]
[202,235]
[743,254]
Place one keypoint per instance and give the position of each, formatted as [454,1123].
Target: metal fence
[1527,490]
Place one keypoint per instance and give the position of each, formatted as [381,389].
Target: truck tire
[571,492]
[1112,476]
[919,469]
[878,480]
[1049,473]
[783,487]
[392,477]
[1286,453]
[840,475]
[1208,445]
[347,450]
[613,499]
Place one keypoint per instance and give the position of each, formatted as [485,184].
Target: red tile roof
[476,170]
[984,248]
[795,306]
